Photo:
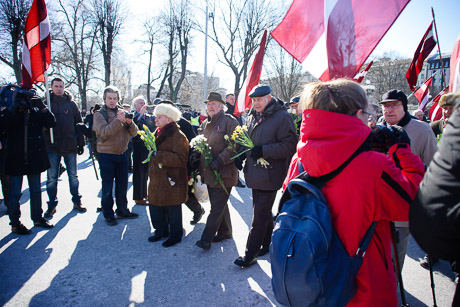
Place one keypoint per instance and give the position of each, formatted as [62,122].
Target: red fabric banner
[435,112]
[244,102]
[455,67]
[422,94]
[424,49]
[360,76]
[36,48]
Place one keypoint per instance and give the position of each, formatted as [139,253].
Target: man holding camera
[23,122]
[67,143]
[422,143]
[114,128]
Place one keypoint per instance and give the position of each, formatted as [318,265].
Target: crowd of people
[320,130]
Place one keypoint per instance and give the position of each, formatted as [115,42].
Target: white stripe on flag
[433,115]
[26,59]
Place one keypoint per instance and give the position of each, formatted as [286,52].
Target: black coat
[19,160]
[434,216]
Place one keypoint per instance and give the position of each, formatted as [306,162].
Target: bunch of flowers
[240,136]
[199,143]
[149,141]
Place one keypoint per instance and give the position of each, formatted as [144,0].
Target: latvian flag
[422,94]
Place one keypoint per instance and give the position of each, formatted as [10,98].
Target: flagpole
[439,50]
[48,102]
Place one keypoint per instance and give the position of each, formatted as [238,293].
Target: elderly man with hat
[422,143]
[168,184]
[296,113]
[214,128]
[272,131]
[447,103]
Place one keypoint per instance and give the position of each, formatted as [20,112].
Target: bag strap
[361,251]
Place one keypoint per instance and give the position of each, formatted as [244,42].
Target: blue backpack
[310,265]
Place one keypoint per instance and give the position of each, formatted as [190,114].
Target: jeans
[70,161]
[35,192]
[114,167]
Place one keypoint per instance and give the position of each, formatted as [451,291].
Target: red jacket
[371,188]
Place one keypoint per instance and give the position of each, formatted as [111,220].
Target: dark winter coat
[169,183]
[140,121]
[35,160]
[371,188]
[275,132]
[214,129]
[66,138]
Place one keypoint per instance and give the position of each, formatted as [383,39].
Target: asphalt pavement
[84,262]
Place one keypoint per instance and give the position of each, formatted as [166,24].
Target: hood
[328,139]
[66,96]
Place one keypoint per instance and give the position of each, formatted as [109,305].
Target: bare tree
[237,28]
[109,17]
[284,72]
[76,42]
[13,14]
[177,25]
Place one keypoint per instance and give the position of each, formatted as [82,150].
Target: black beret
[260,91]
[295,99]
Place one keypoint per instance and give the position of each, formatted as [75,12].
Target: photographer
[113,130]
[23,122]
[67,143]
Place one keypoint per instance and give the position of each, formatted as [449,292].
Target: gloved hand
[239,162]
[256,152]
[400,135]
[83,130]
[194,160]
[81,150]
[215,164]
[38,103]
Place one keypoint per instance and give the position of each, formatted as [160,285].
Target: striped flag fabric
[423,50]
[244,102]
[422,94]
[335,37]
[360,76]
[36,48]
[454,81]
[435,112]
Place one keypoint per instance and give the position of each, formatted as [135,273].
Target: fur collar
[168,131]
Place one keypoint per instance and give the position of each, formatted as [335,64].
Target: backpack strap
[361,251]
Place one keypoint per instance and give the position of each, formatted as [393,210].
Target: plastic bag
[200,190]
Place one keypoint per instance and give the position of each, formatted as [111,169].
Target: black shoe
[98,209]
[170,242]
[245,261]
[43,223]
[264,250]
[239,184]
[128,215]
[20,229]
[424,263]
[156,238]
[221,238]
[197,217]
[78,207]
[111,221]
[50,212]
[203,244]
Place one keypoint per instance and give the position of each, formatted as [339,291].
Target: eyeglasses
[392,106]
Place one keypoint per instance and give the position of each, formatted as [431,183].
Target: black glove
[256,152]
[239,162]
[194,160]
[38,103]
[400,135]
[215,164]
[81,150]
[83,130]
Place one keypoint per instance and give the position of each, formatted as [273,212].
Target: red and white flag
[424,49]
[36,48]
[335,37]
[422,94]
[360,76]
[244,102]
[454,82]
[435,112]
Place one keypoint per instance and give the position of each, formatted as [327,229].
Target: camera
[12,94]
[128,115]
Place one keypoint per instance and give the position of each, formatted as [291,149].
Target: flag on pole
[335,37]
[422,94]
[36,47]
[455,67]
[360,76]
[424,49]
[244,102]
[435,112]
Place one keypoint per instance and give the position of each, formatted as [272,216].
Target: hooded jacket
[371,188]
[275,132]
[67,114]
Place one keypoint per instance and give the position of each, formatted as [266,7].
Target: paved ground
[84,262]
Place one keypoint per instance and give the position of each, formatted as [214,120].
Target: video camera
[384,137]
[16,98]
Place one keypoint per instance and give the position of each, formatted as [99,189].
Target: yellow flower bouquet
[240,136]
[149,141]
